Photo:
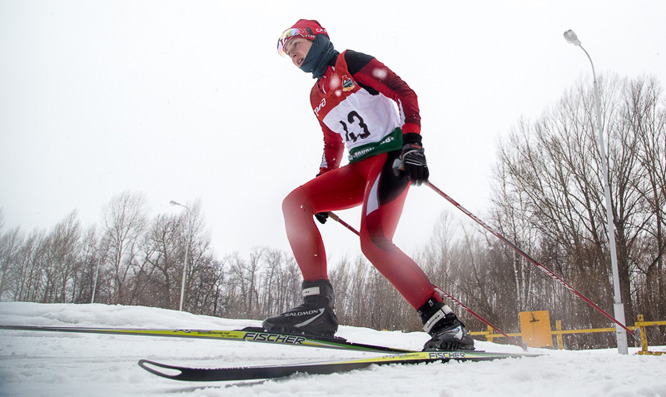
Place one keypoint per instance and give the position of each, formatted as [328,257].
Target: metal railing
[559,333]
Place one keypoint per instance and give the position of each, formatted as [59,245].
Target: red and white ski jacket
[355,103]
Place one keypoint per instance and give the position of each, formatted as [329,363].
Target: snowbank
[66,364]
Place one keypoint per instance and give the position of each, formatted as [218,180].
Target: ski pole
[336,218]
[537,264]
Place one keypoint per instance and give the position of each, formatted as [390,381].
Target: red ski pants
[370,182]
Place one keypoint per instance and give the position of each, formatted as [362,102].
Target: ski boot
[447,332]
[314,317]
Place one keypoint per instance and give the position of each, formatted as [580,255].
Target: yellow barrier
[644,342]
[490,335]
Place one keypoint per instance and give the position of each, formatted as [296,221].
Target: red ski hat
[306,28]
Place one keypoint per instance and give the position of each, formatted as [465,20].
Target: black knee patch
[390,185]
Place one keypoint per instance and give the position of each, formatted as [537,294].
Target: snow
[68,364]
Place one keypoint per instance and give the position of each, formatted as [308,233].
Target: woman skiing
[354,98]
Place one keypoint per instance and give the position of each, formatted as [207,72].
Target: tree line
[547,198]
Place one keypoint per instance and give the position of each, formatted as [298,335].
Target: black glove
[412,160]
[321,217]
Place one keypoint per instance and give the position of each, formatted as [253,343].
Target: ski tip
[163,370]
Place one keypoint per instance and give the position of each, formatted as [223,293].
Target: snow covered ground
[66,364]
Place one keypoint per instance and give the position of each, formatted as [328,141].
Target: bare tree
[10,246]
[549,178]
[280,282]
[26,272]
[123,225]
[57,260]
[644,116]
[84,282]
[165,271]
[200,266]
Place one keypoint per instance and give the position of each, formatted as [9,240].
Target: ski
[249,334]
[316,368]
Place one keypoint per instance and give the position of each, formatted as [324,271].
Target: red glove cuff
[411,127]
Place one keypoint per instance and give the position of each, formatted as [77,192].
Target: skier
[354,98]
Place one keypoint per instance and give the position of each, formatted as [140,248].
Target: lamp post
[92,299]
[187,251]
[99,263]
[621,334]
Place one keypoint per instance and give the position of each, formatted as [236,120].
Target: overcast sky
[188,100]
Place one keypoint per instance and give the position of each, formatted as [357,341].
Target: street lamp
[187,250]
[92,299]
[621,334]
